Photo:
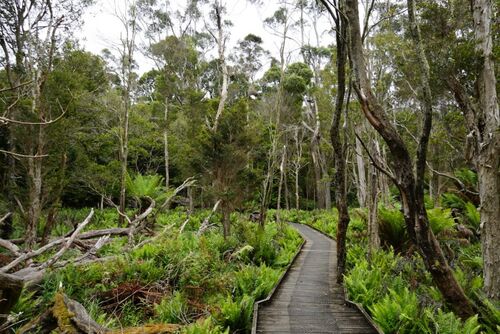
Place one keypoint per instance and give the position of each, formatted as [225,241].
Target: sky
[101,28]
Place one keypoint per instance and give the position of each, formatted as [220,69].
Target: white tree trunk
[488,155]
[127,54]
[361,173]
[280,185]
[373,236]
[165,143]
[222,61]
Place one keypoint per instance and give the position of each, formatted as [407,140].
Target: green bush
[472,216]
[392,229]
[236,314]
[440,220]
[173,309]
[452,201]
[256,281]
[204,326]
[448,323]
[397,312]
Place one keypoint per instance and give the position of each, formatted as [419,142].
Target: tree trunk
[124,161]
[411,189]
[127,74]
[226,221]
[280,185]
[338,144]
[320,194]
[222,62]
[373,237]
[35,166]
[488,150]
[360,163]
[165,145]
[10,290]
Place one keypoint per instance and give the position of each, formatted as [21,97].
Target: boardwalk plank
[308,300]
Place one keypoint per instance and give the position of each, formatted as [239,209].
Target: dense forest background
[395,124]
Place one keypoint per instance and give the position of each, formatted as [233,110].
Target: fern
[440,220]
[141,186]
[452,201]
[397,312]
[472,215]
[392,228]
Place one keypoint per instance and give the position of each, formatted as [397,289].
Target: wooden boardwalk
[309,300]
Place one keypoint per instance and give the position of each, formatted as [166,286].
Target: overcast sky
[101,28]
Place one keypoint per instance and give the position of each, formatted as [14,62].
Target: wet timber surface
[309,300]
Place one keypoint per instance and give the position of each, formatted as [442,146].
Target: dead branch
[7,215]
[70,316]
[183,226]
[70,241]
[3,90]
[19,155]
[92,252]
[14,121]
[189,182]
[10,247]
[460,183]
[135,224]
[10,290]
[206,221]
[154,238]
[34,253]
[375,163]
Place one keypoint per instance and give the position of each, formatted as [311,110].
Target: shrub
[392,229]
[236,314]
[472,216]
[441,322]
[204,326]
[173,309]
[397,312]
[440,220]
[452,201]
[256,281]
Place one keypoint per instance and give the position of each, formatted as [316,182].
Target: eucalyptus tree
[488,147]
[31,35]
[462,57]
[410,185]
[122,57]
[280,24]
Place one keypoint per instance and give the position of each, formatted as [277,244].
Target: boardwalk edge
[270,295]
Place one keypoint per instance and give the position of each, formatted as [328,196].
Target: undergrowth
[394,286]
[208,284]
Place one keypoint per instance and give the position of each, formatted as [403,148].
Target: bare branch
[206,221]
[375,163]
[460,183]
[10,247]
[190,181]
[7,215]
[34,253]
[91,252]
[28,156]
[70,241]
[15,87]
[9,120]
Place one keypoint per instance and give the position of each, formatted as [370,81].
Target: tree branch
[386,171]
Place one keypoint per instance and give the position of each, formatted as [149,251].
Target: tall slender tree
[410,185]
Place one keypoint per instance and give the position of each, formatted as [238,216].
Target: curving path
[309,300]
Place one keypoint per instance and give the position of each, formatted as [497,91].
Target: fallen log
[69,316]
[10,290]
